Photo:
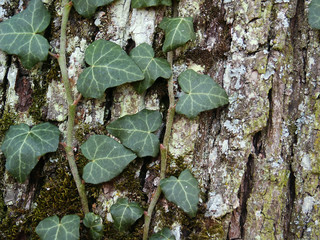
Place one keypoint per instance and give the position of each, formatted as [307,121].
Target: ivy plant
[314,14]
[132,135]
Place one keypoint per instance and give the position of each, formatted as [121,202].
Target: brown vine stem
[72,105]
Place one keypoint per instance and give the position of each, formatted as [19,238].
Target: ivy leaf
[110,67]
[125,214]
[152,67]
[202,93]
[149,3]
[108,159]
[178,31]
[183,191]
[164,234]
[135,132]
[314,14]
[52,229]
[23,146]
[94,222]
[87,8]
[18,35]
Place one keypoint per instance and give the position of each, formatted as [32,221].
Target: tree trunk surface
[257,160]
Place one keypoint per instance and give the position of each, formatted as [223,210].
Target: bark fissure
[290,205]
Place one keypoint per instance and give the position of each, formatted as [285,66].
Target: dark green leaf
[136,132]
[202,93]
[149,3]
[125,214]
[23,146]
[110,67]
[52,229]
[94,222]
[183,191]
[178,31]
[18,35]
[164,234]
[152,67]
[87,8]
[108,159]
[314,14]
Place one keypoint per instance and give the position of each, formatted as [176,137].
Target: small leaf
[87,8]
[18,35]
[125,214]
[135,132]
[314,14]
[108,159]
[149,3]
[23,146]
[164,234]
[183,191]
[52,229]
[178,31]
[94,222]
[152,67]
[202,94]
[110,67]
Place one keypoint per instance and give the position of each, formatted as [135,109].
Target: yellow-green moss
[7,119]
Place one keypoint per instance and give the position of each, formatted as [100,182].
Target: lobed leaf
[136,132]
[87,8]
[164,234]
[184,191]
[52,229]
[110,67]
[314,14]
[178,31]
[18,35]
[108,159]
[125,214]
[202,94]
[152,67]
[22,147]
[149,3]
[94,223]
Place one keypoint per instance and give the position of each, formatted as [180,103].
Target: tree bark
[257,160]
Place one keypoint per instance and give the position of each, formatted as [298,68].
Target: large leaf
[125,214]
[87,8]
[202,93]
[52,229]
[178,31]
[152,67]
[18,35]
[136,132]
[108,159]
[183,191]
[94,223]
[164,234]
[149,3]
[314,14]
[23,146]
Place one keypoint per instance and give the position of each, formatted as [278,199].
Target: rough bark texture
[257,160]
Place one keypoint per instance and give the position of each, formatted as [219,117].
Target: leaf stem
[72,105]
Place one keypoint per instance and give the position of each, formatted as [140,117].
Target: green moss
[7,119]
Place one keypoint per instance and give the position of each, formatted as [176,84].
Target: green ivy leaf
[183,191]
[23,146]
[178,31]
[87,8]
[108,159]
[125,214]
[136,132]
[18,35]
[202,94]
[164,234]
[110,67]
[152,67]
[94,222]
[52,229]
[314,14]
[149,3]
